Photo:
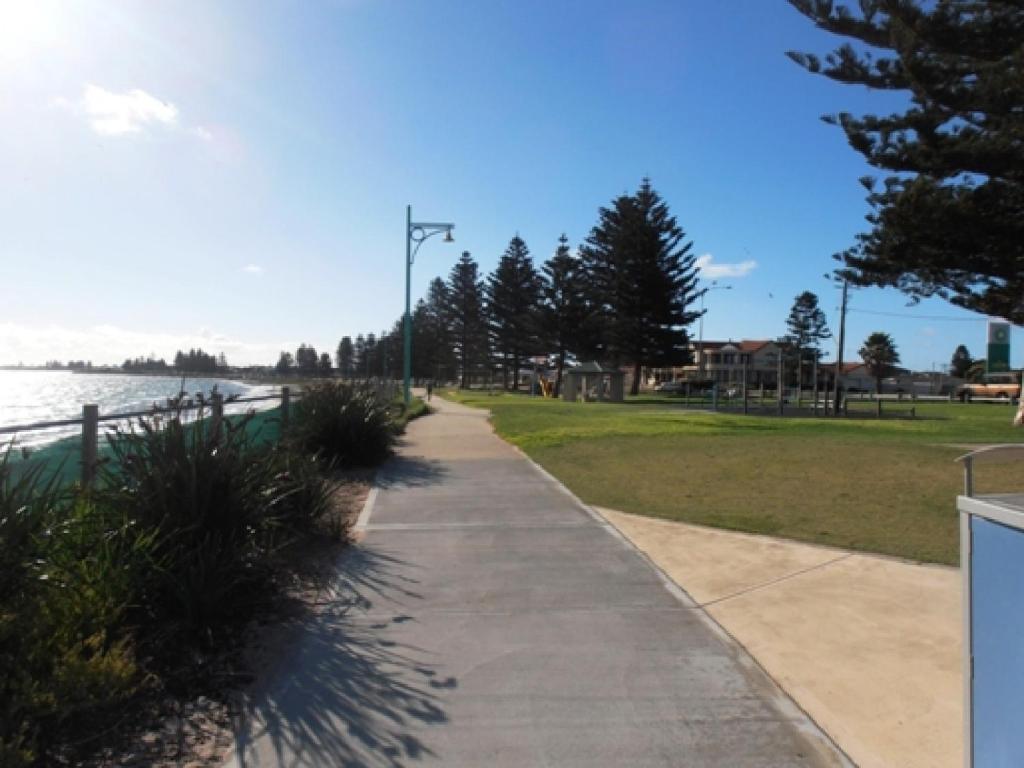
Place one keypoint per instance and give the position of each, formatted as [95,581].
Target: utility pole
[839,353]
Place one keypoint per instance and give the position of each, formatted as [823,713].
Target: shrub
[302,491]
[211,504]
[64,659]
[348,424]
[135,582]
[417,408]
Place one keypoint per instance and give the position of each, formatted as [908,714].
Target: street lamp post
[700,339]
[415,232]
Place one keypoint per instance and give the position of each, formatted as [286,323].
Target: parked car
[667,387]
[1005,386]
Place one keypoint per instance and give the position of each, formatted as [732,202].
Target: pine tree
[306,359]
[466,316]
[807,328]
[960,362]
[285,362]
[345,356]
[324,365]
[949,219]
[643,278]
[442,363]
[359,357]
[879,355]
[513,296]
[564,312]
[370,356]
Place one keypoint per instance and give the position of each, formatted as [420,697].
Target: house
[723,362]
[853,377]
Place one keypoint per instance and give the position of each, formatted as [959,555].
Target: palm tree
[879,355]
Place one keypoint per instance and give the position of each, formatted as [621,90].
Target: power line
[904,316]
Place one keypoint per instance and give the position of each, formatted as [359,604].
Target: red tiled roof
[847,367]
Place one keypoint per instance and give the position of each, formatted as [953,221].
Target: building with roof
[593,381]
[723,362]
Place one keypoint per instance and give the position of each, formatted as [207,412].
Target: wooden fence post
[216,415]
[878,406]
[90,439]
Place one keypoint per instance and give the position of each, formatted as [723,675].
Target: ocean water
[33,396]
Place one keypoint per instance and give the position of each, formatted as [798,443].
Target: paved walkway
[489,619]
[835,628]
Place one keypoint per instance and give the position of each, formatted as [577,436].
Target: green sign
[998,359]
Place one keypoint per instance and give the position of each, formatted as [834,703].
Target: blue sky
[235,175]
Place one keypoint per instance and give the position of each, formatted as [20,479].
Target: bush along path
[122,603]
[490,619]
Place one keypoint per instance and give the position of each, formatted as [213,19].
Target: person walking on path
[430,389]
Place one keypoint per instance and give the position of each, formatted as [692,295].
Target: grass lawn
[885,486]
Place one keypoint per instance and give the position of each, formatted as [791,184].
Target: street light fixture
[700,342]
[415,232]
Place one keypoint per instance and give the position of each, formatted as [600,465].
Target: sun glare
[27,26]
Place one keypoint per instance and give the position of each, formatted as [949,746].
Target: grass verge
[885,486]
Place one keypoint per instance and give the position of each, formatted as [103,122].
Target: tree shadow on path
[410,472]
[349,693]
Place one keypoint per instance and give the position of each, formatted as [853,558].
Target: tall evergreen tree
[949,219]
[306,359]
[513,297]
[285,362]
[960,362]
[345,356]
[807,328]
[564,310]
[644,279]
[396,350]
[466,316]
[370,356]
[442,362]
[359,357]
[422,342]
[879,355]
[324,366]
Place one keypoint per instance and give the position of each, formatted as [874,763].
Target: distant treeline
[193,361]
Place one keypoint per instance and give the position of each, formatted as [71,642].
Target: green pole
[407,324]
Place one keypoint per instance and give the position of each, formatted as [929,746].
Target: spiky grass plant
[348,424]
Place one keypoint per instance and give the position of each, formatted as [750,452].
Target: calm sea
[32,396]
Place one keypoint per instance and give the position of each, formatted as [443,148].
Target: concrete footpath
[869,646]
[487,618]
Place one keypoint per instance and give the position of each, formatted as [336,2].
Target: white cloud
[253,269]
[711,271]
[134,112]
[116,114]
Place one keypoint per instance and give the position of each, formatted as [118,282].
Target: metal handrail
[996,453]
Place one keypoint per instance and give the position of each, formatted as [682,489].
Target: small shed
[593,381]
